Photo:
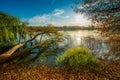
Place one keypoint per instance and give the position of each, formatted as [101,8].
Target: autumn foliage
[100,71]
[105,15]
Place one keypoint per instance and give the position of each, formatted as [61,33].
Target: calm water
[73,39]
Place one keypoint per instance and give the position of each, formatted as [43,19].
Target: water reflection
[85,38]
[73,38]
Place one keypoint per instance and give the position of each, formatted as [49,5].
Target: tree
[23,31]
[105,15]
[14,28]
[10,28]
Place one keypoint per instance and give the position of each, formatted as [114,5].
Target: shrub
[75,57]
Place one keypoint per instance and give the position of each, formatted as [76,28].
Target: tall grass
[75,57]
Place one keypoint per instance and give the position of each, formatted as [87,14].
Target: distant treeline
[71,28]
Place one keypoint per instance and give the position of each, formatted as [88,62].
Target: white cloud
[58,12]
[56,18]
[45,18]
[67,16]
[38,19]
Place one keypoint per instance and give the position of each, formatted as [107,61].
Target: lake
[73,39]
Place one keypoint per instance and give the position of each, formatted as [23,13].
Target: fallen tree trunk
[16,55]
[11,51]
[26,51]
[9,55]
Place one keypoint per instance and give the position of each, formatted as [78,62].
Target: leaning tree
[10,28]
[105,15]
[13,35]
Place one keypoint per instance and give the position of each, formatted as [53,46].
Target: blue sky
[41,12]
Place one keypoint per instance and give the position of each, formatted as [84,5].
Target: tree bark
[9,55]
[11,51]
